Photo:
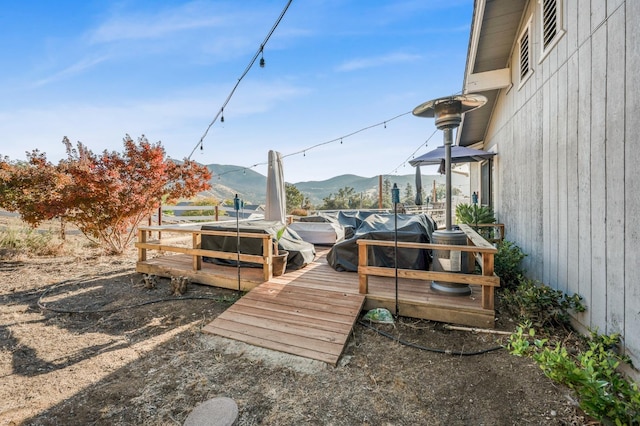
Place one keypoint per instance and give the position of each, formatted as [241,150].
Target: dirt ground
[63,363]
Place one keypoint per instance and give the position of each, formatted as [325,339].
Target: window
[485,183]
[524,51]
[551,24]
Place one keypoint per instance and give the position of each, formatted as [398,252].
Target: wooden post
[142,252]
[487,291]
[363,278]
[197,244]
[160,221]
[216,209]
[267,254]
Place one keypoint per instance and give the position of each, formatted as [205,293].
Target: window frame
[559,27]
[527,31]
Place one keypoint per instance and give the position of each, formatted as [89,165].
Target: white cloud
[376,61]
[139,26]
[72,70]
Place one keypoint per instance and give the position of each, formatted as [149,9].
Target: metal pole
[448,140]
[236,207]
[395,197]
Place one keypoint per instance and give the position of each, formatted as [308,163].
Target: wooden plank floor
[310,312]
[289,316]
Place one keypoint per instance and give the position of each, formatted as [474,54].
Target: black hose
[424,348]
[120,308]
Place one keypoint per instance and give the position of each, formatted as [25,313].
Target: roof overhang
[493,33]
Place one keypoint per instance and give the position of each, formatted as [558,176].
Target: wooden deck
[310,312]
[302,321]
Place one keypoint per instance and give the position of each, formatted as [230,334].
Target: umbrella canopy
[276,206]
[418,186]
[459,154]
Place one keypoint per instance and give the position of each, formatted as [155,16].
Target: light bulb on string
[340,141]
[222,116]
[262,62]
[385,124]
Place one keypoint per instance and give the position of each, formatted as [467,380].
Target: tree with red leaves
[106,196]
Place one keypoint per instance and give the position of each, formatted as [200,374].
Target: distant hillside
[251,186]
[229,180]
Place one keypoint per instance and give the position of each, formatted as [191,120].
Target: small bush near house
[507,264]
[604,393]
[540,304]
[472,215]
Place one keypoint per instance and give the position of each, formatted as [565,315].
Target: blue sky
[97,70]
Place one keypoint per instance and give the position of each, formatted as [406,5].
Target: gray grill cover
[301,253]
[373,226]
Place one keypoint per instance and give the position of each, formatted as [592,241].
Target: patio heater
[448,114]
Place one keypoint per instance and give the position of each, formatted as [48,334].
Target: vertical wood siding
[569,146]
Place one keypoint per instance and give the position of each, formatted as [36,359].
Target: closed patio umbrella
[276,205]
[418,186]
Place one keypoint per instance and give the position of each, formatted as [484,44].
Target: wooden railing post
[267,253]
[363,261]
[142,252]
[197,243]
[487,291]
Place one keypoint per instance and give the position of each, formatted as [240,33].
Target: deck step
[302,321]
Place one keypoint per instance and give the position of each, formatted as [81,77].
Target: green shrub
[507,264]
[603,392]
[540,304]
[472,214]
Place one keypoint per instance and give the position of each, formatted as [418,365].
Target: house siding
[567,140]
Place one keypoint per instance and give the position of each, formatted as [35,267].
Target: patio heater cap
[448,110]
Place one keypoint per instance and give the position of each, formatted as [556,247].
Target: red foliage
[106,196]
[34,188]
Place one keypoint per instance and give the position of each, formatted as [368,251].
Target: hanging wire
[253,60]
[425,143]
[339,139]
[346,136]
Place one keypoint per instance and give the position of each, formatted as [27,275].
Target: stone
[221,411]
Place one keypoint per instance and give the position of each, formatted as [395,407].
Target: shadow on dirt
[115,305]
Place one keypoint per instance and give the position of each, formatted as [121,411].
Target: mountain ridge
[228,180]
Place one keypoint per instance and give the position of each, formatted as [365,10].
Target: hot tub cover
[375,226]
[301,253]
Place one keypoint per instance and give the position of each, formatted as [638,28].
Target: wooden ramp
[285,316]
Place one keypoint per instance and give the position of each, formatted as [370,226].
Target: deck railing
[482,252]
[145,243]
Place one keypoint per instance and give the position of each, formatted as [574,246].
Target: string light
[253,60]
[304,151]
[222,115]
[414,152]
[262,62]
